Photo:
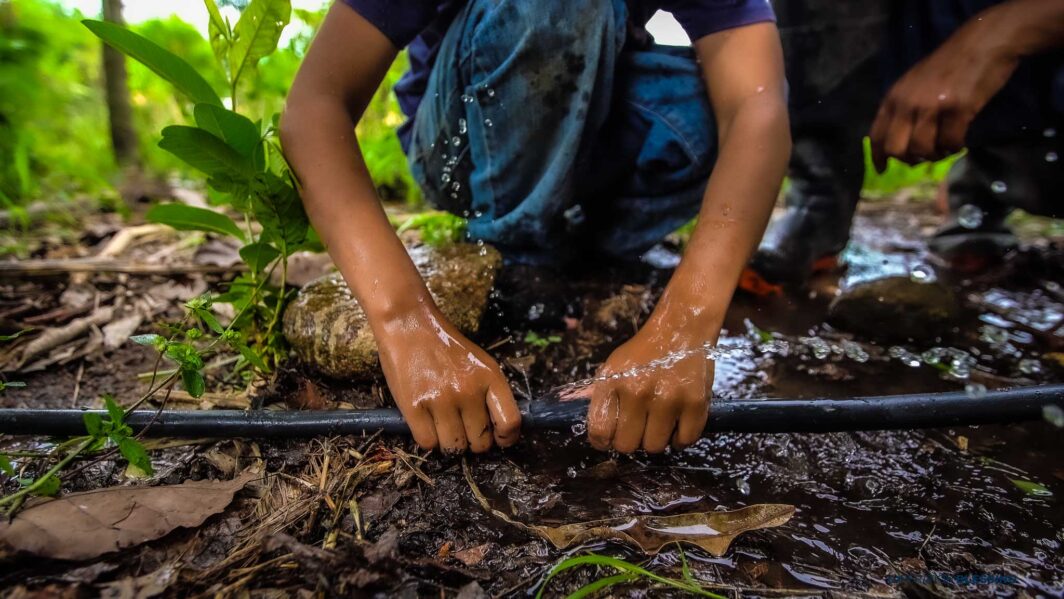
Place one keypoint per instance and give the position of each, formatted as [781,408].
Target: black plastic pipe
[927,410]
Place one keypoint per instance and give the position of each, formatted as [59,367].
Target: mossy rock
[895,309]
[328,330]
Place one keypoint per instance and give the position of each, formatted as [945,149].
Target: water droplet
[445,178]
[993,335]
[466,98]
[1053,415]
[488,123]
[480,242]
[478,214]
[855,352]
[579,428]
[942,97]
[462,126]
[535,311]
[975,390]
[743,485]
[1051,157]
[456,186]
[489,92]
[457,141]
[760,89]
[922,273]
[1030,366]
[1050,132]
[999,187]
[574,214]
[969,216]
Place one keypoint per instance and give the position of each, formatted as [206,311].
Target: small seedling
[626,572]
[536,340]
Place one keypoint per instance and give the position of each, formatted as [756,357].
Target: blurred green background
[54,141]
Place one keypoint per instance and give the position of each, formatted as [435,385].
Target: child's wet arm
[341,72]
[743,70]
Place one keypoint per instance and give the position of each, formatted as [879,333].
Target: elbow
[288,129]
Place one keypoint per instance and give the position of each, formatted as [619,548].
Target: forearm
[1023,27]
[342,203]
[754,151]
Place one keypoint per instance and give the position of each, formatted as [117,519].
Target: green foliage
[190,218]
[437,228]
[245,171]
[1032,488]
[626,572]
[161,61]
[113,429]
[900,175]
[536,340]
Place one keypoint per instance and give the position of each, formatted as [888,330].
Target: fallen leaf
[473,555]
[86,525]
[119,330]
[712,531]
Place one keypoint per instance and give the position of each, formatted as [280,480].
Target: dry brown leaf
[86,525]
[712,531]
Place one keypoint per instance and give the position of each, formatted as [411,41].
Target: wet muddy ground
[897,513]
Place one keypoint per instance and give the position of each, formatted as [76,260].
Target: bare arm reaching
[452,394]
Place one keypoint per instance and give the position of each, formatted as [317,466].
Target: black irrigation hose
[927,410]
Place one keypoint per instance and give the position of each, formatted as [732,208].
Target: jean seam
[688,148]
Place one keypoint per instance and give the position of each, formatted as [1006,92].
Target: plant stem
[39,482]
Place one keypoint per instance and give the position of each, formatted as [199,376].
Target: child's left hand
[656,391]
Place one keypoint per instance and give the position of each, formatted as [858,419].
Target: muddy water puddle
[947,511]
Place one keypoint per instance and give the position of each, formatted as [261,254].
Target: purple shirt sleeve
[700,18]
[399,20]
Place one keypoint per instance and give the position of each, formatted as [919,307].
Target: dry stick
[39,268]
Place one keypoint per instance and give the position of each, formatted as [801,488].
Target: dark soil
[897,513]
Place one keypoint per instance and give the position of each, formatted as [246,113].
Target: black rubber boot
[819,209]
[834,77]
[984,186]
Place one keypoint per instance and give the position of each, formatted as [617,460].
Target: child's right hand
[451,393]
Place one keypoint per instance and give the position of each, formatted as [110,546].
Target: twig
[43,268]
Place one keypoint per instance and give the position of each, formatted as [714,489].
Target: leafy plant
[245,170]
[536,340]
[102,431]
[626,572]
[437,228]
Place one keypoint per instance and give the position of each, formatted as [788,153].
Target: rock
[895,309]
[329,331]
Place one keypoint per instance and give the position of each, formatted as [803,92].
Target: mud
[895,513]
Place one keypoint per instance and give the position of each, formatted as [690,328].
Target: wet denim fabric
[556,136]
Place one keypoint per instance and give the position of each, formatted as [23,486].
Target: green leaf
[208,319]
[148,339]
[219,32]
[93,424]
[234,129]
[163,62]
[205,152]
[49,487]
[280,211]
[14,336]
[5,466]
[258,255]
[133,451]
[193,382]
[256,34]
[115,411]
[11,384]
[253,358]
[190,218]
[603,583]
[1031,488]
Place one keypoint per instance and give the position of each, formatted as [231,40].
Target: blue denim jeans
[556,137]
